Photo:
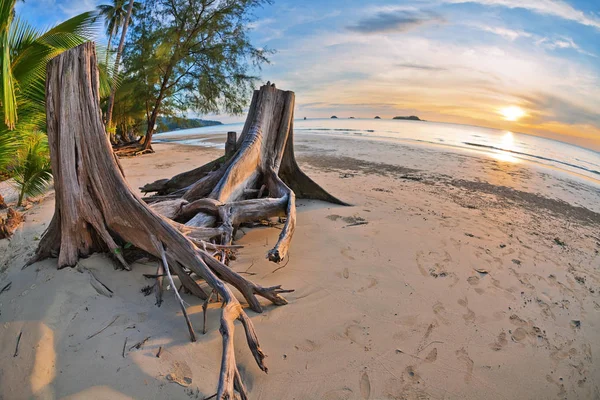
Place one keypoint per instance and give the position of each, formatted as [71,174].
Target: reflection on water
[507,144]
[501,145]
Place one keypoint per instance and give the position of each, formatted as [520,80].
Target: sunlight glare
[507,143]
[512,113]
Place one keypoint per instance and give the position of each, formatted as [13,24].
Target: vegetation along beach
[252,199]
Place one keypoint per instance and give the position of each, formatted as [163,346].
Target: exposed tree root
[191,232]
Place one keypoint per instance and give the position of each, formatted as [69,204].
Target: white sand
[394,309]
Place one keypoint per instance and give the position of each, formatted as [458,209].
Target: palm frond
[33,174]
[7,80]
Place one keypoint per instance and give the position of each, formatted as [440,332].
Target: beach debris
[559,242]
[158,352]
[10,223]
[482,271]
[6,287]
[100,287]
[124,347]
[18,342]
[382,190]
[139,344]
[103,329]
[576,324]
[469,234]
[502,246]
[147,290]
[180,374]
[415,178]
[515,261]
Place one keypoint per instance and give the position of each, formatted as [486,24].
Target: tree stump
[97,211]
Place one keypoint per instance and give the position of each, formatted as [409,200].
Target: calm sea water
[504,145]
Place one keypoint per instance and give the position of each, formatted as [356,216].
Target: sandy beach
[453,275]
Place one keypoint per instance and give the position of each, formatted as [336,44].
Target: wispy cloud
[562,43]
[557,8]
[395,20]
[421,67]
[506,33]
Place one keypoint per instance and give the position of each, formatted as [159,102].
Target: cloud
[556,8]
[504,32]
[552,108]
[395,20]
[422,67]
[562,43]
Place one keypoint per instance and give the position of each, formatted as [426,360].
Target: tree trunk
[95,209]
[113,90]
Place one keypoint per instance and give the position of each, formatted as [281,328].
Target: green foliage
[193,55]
[24,54]
[167,124]
[32,173]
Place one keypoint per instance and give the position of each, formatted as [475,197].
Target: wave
[592,171]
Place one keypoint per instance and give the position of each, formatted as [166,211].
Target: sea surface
[499,144]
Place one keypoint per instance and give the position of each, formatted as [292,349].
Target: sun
[512,113]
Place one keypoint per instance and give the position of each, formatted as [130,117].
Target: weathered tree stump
[95,209]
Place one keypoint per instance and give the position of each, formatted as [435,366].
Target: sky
[530,66]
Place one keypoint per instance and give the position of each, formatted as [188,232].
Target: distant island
[167,124]
[411,118]
[378,117]
[333,117]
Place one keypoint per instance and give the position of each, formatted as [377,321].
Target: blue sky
[445,60]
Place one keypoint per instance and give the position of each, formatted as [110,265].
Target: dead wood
[96,211]
[10,223]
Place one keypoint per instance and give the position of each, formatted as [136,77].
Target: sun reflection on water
[507,143]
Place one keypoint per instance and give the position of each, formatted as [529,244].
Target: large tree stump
[96,210]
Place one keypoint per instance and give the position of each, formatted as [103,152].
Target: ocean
[502,145]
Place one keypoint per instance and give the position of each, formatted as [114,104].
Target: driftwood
[96,211]
[10,223]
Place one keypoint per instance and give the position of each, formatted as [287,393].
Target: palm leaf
[32,174]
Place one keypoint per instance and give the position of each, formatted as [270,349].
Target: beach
[452,275]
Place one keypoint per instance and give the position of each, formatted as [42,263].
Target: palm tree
[114,18]
[24,54]
[111,100]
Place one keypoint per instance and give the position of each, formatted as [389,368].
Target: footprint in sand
[440,311]
[432,356]
[464,357]
[470,315]
[500,342]
[365,386]
[473,280]
[372,282]
[338,394]
[307,346]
